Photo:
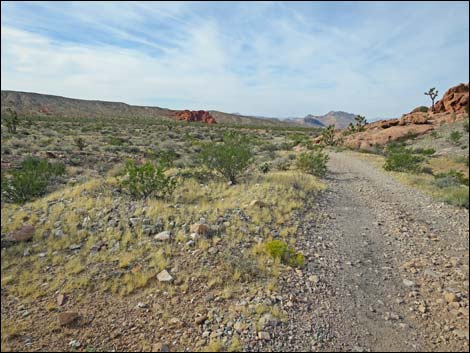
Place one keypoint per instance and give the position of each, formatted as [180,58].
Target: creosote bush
[147,180]
[230,158]
[313,162]
[401,159]
[288,256]
[30,180]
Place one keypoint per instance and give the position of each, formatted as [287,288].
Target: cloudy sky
[266,58]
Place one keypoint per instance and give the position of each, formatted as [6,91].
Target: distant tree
[361,122]
[80,143]
[11,119]
[328,135]
[432,93]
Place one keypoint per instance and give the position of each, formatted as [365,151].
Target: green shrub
[148,179]
[313,162]
[401,159]
[265,167]
[451,178]
[80,143]
[455,137]
[457,196]
[30,180]
[423,109]
[166,157]
[434,135]
[230,158]
[426,152]
[280,250]
[465,124]
[10,118]
[116,141]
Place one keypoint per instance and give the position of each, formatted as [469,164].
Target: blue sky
[280,59]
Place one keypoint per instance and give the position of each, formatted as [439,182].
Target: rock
[262,335]
[164,276]
[27,252]
[451,297]
[141,305]
[58,233]
[267,320]
[160,347]
[258,203]
[200,228]
[408,283]
[313,279]
[67,318]
[75,247]
[162,236]
[196,116]
[61,299]
[200,320]
[455,100]
[422,308]
[75,344]
[25,233]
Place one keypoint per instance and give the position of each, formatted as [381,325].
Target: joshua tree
[361,122]
[329,135]
[432,93]
[11,120]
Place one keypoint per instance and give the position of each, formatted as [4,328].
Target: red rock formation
[195,115]
[455,100]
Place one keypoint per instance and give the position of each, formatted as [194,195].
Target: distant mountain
[338,118]
[37,104]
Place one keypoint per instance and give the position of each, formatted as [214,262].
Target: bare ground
[384,256]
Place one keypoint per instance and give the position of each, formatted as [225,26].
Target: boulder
[25,233]
[455,100]
[195,116]
[68,318]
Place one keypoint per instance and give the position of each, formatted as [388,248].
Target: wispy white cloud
[275,59]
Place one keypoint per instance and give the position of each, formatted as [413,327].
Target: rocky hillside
[452,107]
[338,118]
[35,104]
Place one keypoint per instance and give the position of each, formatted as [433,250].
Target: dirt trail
[384,255]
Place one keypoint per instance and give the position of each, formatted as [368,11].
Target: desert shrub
[451,178]
[423,109]
[230,158]
[168,157]
[457,196]
[455,137]
[465,124]
[116,141]
[265,167]
[80,143]
[434,135]
[280,250]
[30,180]
[148,179]
[313,162]
[282,164]
[401,159]
[424,151]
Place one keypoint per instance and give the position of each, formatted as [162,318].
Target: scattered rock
[61,299]
[160,347]
[200,228]
[451,297]
[166,235]
[164,276]
[262,335]
[258,203]
[25,233]
[200,320]
[68,318]
[408,283]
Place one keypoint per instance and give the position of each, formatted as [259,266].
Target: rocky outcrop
[195,115]
[455,100]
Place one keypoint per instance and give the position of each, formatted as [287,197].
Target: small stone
[200,228]
[200,320]
[75,247]
[162,236]
[61,299]
[422,308]
[451,297]
[313,279]
[262,335]
[408,283]
[67,318]
[142,305]
[164,276]
[257,203]
[160,347]
[75,344]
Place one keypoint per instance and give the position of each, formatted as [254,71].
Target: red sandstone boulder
[195,115]
[455,100]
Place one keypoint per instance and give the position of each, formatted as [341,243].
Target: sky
[275,59]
